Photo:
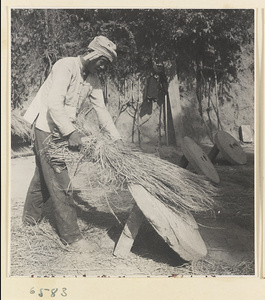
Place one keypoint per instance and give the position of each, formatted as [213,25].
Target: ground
[228,230]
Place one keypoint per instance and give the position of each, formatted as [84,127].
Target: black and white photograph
[132,142]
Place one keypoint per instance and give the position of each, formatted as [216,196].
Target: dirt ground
[228,231]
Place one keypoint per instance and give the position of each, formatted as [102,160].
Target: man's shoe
[83,246]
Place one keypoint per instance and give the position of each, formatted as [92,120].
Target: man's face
[101,63]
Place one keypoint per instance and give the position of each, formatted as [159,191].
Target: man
[72,82]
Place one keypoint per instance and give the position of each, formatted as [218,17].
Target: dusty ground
[228,231]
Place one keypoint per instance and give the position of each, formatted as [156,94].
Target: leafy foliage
[199,40]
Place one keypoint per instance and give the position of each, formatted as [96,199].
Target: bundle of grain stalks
[19,127]
[176,187]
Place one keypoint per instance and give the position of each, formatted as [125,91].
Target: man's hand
[74,141]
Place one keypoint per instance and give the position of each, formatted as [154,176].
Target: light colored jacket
[62,95]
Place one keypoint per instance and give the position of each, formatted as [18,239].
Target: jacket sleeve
[104,117]
[61,78]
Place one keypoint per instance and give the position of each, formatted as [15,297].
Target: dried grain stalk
[19,126]
[177,188]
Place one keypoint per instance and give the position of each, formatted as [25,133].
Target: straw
[19,127]
[179,189]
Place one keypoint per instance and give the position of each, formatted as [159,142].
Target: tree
[206,44]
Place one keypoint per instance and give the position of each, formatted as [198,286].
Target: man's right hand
[74,140]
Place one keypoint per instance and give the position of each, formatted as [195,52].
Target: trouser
[52,182]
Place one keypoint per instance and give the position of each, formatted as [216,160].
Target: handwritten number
[41,294]
[64,293]
[53,292]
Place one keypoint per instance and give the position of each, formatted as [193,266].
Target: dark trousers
[52,182]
